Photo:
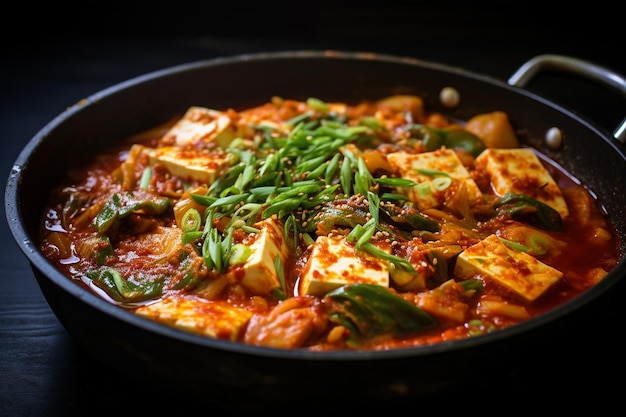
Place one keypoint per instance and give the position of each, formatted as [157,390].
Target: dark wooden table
[44,372]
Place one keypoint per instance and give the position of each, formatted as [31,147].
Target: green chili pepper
[330,216]
[432,138]
[120,205]
[521,206]
[191,273]
[451,137]
[458,138]
[408,217]
[123,290]
[108,214]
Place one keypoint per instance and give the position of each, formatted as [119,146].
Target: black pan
[255,375]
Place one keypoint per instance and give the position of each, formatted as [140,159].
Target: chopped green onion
[514,245]
[423,189]
[291,228]
[145,178]
[374,206]
[396,260]
[189,237]
[280,294]
[298,119]
[231,199]
[365,236]
[191,221]
[282,208]
[331,168]
[346,176]
[239,254]
[203,199]
[393,196]
[441,183]
[432,172]
[395,182]
[317,104]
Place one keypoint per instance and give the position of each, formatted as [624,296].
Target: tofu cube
[334,263]
[258,273]
[517,271]
[521,171]
[197,165]
[216,319]
[200,124]
[427,194]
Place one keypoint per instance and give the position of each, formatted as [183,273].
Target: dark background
[103,42]
[53,55]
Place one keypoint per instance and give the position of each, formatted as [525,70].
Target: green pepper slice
[521,206]
[370,311]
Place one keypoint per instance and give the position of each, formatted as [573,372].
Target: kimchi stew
[305,224]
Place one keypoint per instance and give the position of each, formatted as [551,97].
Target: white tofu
[216,319]
[517,271]
[521,171]
[200,124]
[198,165]
[259,271]
[425,195]
[334,262]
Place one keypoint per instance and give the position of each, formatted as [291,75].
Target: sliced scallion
[146,175]
[191,221]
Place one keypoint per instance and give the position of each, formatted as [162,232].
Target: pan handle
[580,67]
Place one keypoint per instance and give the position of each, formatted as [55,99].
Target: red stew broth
[591,251]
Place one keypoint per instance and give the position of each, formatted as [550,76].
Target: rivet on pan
[449,97]
[554,138]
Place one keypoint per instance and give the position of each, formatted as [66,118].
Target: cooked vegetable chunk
[288,325]
[494,129]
